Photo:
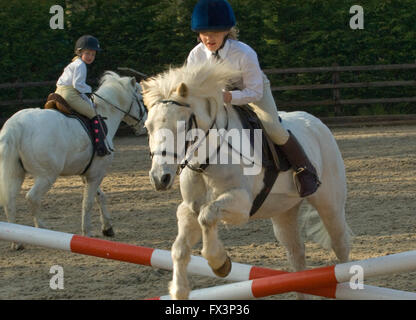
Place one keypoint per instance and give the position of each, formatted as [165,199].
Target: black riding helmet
[87,42]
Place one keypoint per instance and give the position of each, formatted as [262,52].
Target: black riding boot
[97,124]
[306,178]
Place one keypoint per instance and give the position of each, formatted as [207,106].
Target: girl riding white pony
[221,192]
[48,144]
[72,87]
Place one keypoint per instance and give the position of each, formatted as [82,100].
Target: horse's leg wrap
[306,178]
[99,136]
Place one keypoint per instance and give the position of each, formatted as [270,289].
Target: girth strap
[270,176]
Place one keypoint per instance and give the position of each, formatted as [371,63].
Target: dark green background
[150,35]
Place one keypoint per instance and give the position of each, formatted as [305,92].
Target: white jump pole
[241,291]
[157,258]
[318,277]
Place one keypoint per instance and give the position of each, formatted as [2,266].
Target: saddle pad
[250,121]
[59,104]
[70,113]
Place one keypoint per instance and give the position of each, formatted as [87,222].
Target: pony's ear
[182,90]
[133,81]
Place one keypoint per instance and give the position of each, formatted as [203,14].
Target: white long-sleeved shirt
[75,74]
[243,58]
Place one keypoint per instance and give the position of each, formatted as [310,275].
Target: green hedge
[150,35]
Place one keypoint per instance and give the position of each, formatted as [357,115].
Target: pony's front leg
[232,207]
[105,218]
[189,233]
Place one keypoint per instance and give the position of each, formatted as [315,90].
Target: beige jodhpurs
[74,99]
[266,110]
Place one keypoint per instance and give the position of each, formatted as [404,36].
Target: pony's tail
[314,229]
[11,170]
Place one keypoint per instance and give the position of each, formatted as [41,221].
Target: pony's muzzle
[161,182]
[165,180]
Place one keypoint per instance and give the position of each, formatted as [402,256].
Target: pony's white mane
[113,87]
[203,80]
[111,78]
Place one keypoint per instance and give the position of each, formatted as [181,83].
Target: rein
[131,107]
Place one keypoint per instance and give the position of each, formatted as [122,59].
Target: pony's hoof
[17,246]
[109,232]
[225,269]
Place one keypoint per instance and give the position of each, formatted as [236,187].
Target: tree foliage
[150,35]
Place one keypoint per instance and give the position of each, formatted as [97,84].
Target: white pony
[48,144]
[221,192]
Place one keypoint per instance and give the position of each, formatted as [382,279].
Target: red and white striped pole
[157,258]
[121,251]
[307,280]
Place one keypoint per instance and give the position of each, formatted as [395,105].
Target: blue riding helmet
[212,15]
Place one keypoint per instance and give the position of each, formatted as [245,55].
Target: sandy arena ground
[381,210]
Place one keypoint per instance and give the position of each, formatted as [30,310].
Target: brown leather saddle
[56,101]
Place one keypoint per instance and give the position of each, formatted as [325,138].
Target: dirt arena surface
[381,211]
